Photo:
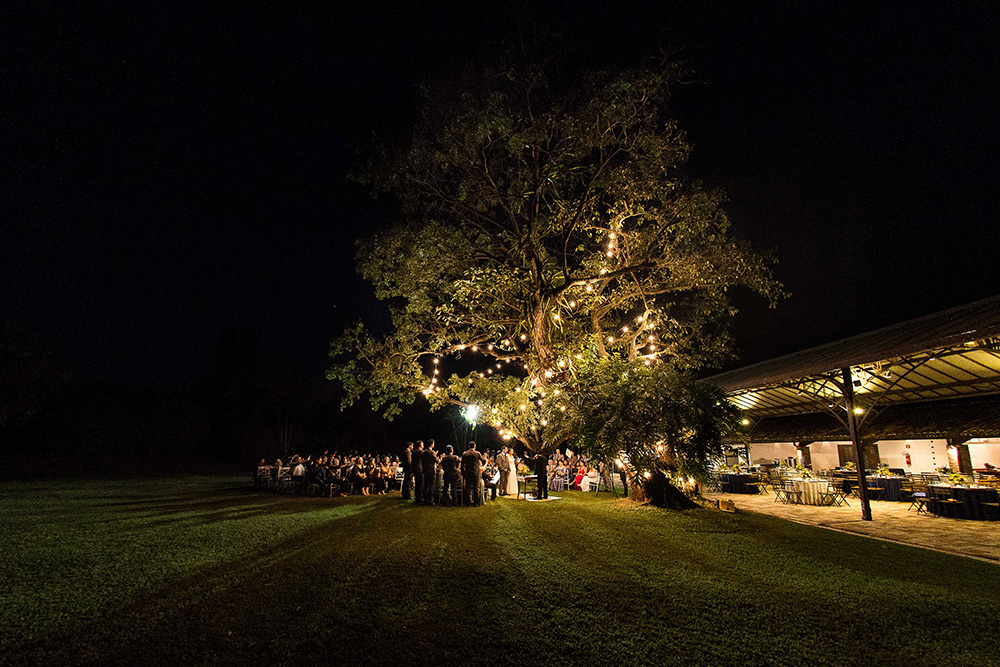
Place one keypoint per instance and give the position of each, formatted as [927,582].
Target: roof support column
[848,391]
[960,447]
[805,455]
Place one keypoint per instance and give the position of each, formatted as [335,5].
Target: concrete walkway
[890,521]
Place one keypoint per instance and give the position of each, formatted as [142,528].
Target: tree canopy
[551,260]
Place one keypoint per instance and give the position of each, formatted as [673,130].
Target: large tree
[548,237]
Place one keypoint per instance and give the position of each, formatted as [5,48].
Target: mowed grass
[202,570]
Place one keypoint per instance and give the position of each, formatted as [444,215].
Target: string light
[524,407]
[624,329]
[572,304]
[611,339]
[523,337]
[545,422]
[555,316]
[436,360]
[489,347]
[590,288]
[562,408]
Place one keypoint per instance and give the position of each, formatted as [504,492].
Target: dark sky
[169,171]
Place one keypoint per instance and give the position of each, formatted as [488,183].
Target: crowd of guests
[432,477]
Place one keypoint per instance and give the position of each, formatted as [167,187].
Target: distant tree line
[249,404]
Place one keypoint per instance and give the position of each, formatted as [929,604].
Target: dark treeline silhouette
[249,404]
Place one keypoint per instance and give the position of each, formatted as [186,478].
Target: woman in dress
[580,474]
[512,477]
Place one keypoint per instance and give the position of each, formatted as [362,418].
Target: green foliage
[547,224]
[657,415]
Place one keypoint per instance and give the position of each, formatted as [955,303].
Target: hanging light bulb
[524,337]
[572,304]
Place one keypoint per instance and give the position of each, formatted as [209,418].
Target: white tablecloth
[811,490]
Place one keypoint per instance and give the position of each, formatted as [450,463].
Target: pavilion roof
[950,354]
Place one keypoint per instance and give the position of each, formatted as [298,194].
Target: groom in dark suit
[504,465]
[472,475]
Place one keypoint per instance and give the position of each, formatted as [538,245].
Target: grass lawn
[202,570]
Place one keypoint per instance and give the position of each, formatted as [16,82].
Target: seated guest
[580,474]
[491,478]
[357,477]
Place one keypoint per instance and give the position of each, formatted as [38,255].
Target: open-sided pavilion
[919,395]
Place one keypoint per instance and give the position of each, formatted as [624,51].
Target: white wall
[983,451]
[925,455]
[769,451]
[825,455]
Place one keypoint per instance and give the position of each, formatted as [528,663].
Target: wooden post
[848,390]
[805,456]
[964,458]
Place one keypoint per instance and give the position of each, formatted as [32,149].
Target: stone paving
[890,521]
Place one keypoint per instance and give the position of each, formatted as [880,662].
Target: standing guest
[472,475]
[541,465]
[449,467]
[417,467]
[407,470]
[428,464]
[503,464]
[298,475]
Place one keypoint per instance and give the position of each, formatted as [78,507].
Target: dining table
[889,487]
[739,483]
[810,491]
[977,503]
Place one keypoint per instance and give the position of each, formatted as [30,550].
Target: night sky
[170,171]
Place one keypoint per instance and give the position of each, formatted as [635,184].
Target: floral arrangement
[850,466]
[882,470]
[957,479]
[804,472]
[737,468]
[945,470]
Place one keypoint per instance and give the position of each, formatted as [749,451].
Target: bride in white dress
[512,477]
